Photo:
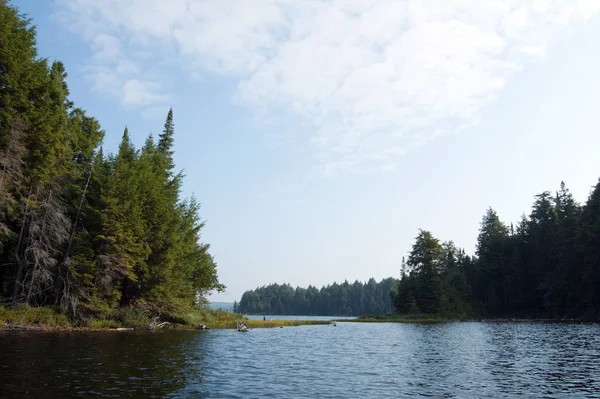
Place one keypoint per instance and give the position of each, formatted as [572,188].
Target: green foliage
[546,267]
[95,236]
[337,299]
[26,316]
[130,317]
[589,248]
[426,260]
[212,318]
[20,68]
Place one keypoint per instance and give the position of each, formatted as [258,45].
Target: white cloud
[375,78]
[137,93]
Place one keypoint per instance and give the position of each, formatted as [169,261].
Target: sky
[321,135]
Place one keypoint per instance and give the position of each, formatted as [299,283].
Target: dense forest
[333,300]
[547,266]
[80,230]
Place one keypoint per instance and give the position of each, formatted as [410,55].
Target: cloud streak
[374,78]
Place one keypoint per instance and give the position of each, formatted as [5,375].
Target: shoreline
[49,328]
[274,324]
[434,319]
[40,327]
[20,321]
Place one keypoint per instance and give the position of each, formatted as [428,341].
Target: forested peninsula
[89,235]
[547,266]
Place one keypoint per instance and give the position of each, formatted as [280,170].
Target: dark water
[466,360]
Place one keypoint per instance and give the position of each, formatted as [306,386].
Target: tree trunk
[87,183]
[2,281]
[20,261]
[36,264]
[61,272]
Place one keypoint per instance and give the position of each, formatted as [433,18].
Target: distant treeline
[333,300]
[547,266]
[84,231]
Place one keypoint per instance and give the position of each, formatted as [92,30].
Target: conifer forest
[545,266]
[88,232]
[83,230]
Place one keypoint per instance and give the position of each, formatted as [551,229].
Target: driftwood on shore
[154,324]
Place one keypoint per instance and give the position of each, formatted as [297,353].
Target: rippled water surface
[285,317]
[484,360]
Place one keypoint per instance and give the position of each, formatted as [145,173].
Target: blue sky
[319,136]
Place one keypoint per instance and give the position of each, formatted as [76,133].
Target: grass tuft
[222,319]
[29,316]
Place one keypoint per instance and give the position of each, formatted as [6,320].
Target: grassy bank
[31,317]
[280,323]
[47,318]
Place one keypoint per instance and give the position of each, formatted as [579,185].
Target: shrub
[130,317]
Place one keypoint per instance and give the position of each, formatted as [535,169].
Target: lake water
[454,360]
[284,317]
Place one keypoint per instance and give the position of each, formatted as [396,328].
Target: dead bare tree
[70,290]
[47,233]
[11,183]
[20,260]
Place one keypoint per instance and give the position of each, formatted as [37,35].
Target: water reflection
[350,360]
[133,365]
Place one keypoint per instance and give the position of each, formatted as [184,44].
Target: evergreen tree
[560,282]
[426,260]
[122,221]
[589,246]
[79,230]
[544,253]
[492,251]
[165,143]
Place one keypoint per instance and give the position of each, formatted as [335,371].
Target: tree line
[82,230]
[332,300]
[547,266]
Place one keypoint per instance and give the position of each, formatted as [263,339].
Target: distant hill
[221,305]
